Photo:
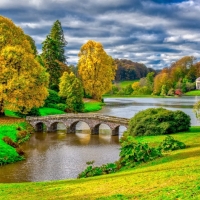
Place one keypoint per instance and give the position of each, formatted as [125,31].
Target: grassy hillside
[8,127]
[125,83]
[193,93]
[174,176]
[92,106]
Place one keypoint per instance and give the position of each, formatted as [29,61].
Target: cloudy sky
[153,32]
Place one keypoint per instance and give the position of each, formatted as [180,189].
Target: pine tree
[54,52]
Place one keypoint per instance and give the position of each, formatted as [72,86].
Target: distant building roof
[198,79]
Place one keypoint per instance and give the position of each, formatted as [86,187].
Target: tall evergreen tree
[54,52]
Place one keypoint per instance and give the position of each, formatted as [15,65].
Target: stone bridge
[50,122]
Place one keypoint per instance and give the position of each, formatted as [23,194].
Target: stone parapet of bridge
[70,120]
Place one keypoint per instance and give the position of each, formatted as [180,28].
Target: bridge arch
[40,126]
[72,127]
[56,125]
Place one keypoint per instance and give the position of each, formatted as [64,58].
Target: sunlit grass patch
[193,93]
[8,128]
[50,111]
[92,106]
[126,83]
[10,113]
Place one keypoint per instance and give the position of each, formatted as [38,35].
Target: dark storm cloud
[155,32]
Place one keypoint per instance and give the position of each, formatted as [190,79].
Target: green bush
[59,106]
[53,98]
[133,153]
[170,144]
[158,121]
[33,112]
[96,171]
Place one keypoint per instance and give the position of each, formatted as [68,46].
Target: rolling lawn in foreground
[174,176]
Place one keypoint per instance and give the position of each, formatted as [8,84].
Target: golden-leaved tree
[96,69]
[23,81]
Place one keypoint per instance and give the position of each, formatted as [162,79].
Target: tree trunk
[2,113]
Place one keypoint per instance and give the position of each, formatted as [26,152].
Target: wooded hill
[129,70]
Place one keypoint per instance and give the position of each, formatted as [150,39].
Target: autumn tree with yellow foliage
[96,69]
[23,81]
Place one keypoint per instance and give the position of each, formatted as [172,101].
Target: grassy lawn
[193,93]
[174,176]
[92,106]
[8,127]
[50,111]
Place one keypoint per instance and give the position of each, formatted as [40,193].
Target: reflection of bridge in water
[70,121]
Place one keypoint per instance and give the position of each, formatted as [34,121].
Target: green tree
[23,81]
[96,69]
[150,80]
[71,88]
[53,52]
[32,42]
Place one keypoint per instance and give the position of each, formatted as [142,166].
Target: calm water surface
[56,156]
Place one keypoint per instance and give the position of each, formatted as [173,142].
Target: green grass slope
[174,176]
[50,111]
[92,106]
[8,127]
[126,83]
[193,93]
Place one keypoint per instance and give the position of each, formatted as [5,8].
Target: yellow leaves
[136,86]
[12,35]
[96,69]
[24,80]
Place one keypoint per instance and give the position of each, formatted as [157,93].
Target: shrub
[128,89]
[59,106]
[171,92]
[53,98]
[33,112]
[178,92]
[115,89]
[170,144]
[133,153]
[21,134]
[158,121]
[96,171]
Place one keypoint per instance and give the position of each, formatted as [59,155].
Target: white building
[198,83]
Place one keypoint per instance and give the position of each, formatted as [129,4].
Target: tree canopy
[71,88]
[129,70]
[23,81]
[53,52]
[179,75]
[96,69]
